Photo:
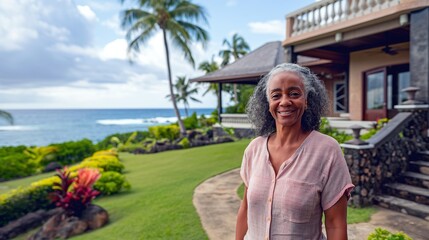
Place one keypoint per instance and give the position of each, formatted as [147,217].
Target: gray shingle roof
[250,68]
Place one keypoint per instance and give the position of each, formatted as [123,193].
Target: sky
[72,54]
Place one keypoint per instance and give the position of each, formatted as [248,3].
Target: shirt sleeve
[338,180]
[244,171]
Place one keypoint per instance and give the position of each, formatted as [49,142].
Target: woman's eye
[295,94]
[275,96]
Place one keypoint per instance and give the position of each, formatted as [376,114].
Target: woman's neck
[289,136]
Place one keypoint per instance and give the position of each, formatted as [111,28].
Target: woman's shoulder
[324,140]
[256,143]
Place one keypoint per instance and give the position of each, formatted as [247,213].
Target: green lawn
[159,205]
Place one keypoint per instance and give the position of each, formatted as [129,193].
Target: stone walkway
[217,204]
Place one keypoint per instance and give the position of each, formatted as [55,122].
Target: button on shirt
[290,205]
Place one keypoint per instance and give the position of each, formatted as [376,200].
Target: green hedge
[106,143]
[23,161]
[73,152]
[16,165]
[111,183]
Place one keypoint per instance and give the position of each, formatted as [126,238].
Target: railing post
[340,9]
[411,95]
[356,135]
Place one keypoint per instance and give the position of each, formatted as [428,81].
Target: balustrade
[328,12]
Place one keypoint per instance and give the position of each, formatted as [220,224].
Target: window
[340,97]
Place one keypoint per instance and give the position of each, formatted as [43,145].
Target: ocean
[43,127]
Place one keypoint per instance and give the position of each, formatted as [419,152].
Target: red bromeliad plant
[74,194]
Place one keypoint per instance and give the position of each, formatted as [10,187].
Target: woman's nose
[285,101]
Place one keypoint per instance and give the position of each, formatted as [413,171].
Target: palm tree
[237,48]
[175,18]
[7,116]
[209,67]
[184,92]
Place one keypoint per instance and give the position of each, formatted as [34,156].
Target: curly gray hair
[257,108]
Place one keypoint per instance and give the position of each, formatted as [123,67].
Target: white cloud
[114,24]
[64,69]
[116,49]
[87,12]
[268,27]
[104,6]
[15,29]
[75,50]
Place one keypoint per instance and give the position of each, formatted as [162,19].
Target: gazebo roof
[250,68]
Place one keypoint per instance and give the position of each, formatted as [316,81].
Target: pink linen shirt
[290,205]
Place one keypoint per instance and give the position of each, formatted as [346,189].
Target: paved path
[217,204]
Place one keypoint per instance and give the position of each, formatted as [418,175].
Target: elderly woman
[292,173]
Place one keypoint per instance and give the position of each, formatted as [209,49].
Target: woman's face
[287,99]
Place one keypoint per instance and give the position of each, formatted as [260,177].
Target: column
[419,53]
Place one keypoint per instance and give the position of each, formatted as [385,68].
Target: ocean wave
[16,128]
[138,121]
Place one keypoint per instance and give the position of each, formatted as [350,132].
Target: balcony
[336,17]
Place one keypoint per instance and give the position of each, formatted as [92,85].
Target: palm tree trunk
[170,83]
[186,111]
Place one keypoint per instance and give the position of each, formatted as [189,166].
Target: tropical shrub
[132,148]
[5,151]
[73,152]
[41,156]
[74,194]
[170,132]
[16,165]
[19,202]
[245,92]
[119,138]
[380,124]
[340,136]
[103,162]
[22,161]
[215,114]
[229,130]
[111,183]
[185,143]
[207,122]
[191,122]
[383,234]
[13,163]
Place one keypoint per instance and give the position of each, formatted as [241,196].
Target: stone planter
[62,226]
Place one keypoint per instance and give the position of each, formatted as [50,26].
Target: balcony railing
[328,12]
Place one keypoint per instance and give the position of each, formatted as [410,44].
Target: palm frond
[7,116]
[180,41]
[196,32]
[189,11]
[194,99]
[130,16]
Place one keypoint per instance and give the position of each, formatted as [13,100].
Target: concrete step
[411,193]
[416,179]
[419,167]
[403,206]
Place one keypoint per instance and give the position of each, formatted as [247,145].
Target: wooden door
[375,95]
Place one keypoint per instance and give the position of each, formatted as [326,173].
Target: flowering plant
[74,194]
